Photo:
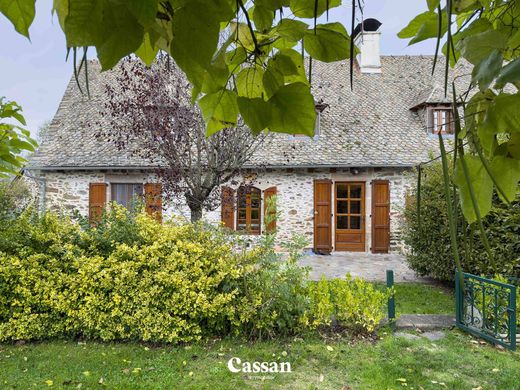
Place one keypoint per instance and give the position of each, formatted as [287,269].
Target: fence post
[391,299]
[512,317]
[458,299]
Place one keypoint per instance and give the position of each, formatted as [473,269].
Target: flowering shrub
[131,278]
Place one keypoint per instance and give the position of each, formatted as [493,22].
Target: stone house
[344,188]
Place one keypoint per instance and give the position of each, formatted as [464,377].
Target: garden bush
[132,278]
[430,252]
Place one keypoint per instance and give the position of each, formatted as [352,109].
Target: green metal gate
[487,309]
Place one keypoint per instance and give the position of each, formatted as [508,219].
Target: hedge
[429,246]
[132,278]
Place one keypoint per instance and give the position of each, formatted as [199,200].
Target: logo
[236,365]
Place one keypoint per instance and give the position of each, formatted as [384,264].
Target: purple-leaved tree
[148,112]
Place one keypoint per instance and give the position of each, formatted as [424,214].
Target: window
[126,193]
[441,121]
[249,209]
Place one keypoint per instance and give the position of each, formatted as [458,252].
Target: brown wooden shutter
[227,207]
[322,216]
[97,200]
[153,200]
[380,216]
[268,193]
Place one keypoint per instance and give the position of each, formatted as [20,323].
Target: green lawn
[454,362]
[417,298]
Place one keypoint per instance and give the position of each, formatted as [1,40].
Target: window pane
[342,190]
[242,214]
[126,194]
[355,222]
[342,222]
[255,214]
[355,206]
[355,191]
[342,207]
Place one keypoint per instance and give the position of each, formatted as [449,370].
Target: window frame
[247,191]
[434,115]
[113,186]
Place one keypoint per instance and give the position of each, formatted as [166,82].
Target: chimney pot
[367,38]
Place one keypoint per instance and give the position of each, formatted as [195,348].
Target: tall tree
[148,112]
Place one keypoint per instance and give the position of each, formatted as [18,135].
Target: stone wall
[68,190]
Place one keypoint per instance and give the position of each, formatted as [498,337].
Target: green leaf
[503,114]
[272,4]
[219,110]
[249,82]
[107,25]
[423,26]
[293,110]
[216,75]
[291,29]
[196,27]
[147,52]
[509,74]
[329,43]
[144,10]
[477,47]
[305,8]
[433,4]
[262,17]
[255,112]
[290,64]
[487,69]
[20,13]
[507,174]
[272,80]
[482,187]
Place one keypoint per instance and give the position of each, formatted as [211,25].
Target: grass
[456,362]
[418,298]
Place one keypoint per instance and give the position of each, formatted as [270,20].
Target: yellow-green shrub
[176,285]
[354,303]
[131,278]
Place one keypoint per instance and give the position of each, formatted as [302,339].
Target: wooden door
[349,202]
[380,216]
[322,216]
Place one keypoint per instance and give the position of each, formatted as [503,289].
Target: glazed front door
[349,207]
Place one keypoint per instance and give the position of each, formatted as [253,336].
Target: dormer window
[440,120]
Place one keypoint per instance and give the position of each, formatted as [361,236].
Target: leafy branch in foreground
[485,34]
[14,139]
[239,57]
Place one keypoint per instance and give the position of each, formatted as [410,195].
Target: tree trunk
[196,213]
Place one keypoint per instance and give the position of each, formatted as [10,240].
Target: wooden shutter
[380,216]
[322,216]
[153,200]
[227,207]
[268,193]
[97,199]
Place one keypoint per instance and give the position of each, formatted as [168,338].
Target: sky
[34,73]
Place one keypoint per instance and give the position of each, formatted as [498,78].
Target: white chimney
[367,38]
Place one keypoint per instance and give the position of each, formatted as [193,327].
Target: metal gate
[487,309]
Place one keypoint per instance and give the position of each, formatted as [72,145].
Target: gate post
[391,299]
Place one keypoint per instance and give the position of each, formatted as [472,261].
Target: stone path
[425,321]
[368,266]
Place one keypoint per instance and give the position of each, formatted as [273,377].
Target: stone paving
[368,266]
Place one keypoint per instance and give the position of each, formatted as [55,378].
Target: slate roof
[373,125]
